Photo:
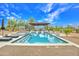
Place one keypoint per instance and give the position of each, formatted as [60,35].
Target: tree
[31,20]
[77,30]
[68,30]
[13,24]
[9,25]
[20,24]
[2,27]
[47,27]
[26,25]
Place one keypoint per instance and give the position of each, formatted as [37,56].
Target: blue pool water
[40,37]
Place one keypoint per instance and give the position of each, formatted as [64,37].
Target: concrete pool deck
[25,50]
[13,50]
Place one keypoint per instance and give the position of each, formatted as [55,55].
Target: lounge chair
[5,38]
[19,34]
[13,36]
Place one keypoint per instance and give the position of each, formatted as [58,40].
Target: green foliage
[47,27]
[77,30]
[27,25]
[11,25]
[68,30]
[20,24]
[2,25]
[54,28]
[14,24]
[8,25]
[31,20]
[58,29]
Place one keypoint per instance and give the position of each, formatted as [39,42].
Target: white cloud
[8,14]
[14,14]
[47,8]
[76,7]
[54,15]
[10,17]
[14,6]
[39,20]
[6,10]
[2,13]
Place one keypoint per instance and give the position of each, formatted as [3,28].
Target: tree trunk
[2,32]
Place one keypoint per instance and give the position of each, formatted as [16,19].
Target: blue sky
[59,14]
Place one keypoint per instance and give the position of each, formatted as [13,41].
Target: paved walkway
[39,51]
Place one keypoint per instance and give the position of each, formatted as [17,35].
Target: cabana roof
[39,24]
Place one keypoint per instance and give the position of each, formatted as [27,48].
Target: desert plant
[77,30]
[68,30]
[47,27]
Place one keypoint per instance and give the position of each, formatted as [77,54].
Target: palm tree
[14,26]
[26,25]
[2,27]
[20,24]
[31,20]
[8,25]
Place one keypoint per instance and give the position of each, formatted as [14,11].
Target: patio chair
[13,36]
[5,38]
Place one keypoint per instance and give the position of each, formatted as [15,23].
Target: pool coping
[67,41]
[47,44]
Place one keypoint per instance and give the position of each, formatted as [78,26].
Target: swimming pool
[41,38]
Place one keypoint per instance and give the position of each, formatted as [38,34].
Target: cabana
[39,25]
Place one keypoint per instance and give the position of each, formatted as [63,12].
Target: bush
[77,30]
[68,31]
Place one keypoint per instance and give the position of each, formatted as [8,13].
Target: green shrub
[68,30]
[77,30]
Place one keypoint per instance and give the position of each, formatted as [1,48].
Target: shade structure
[39,24]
